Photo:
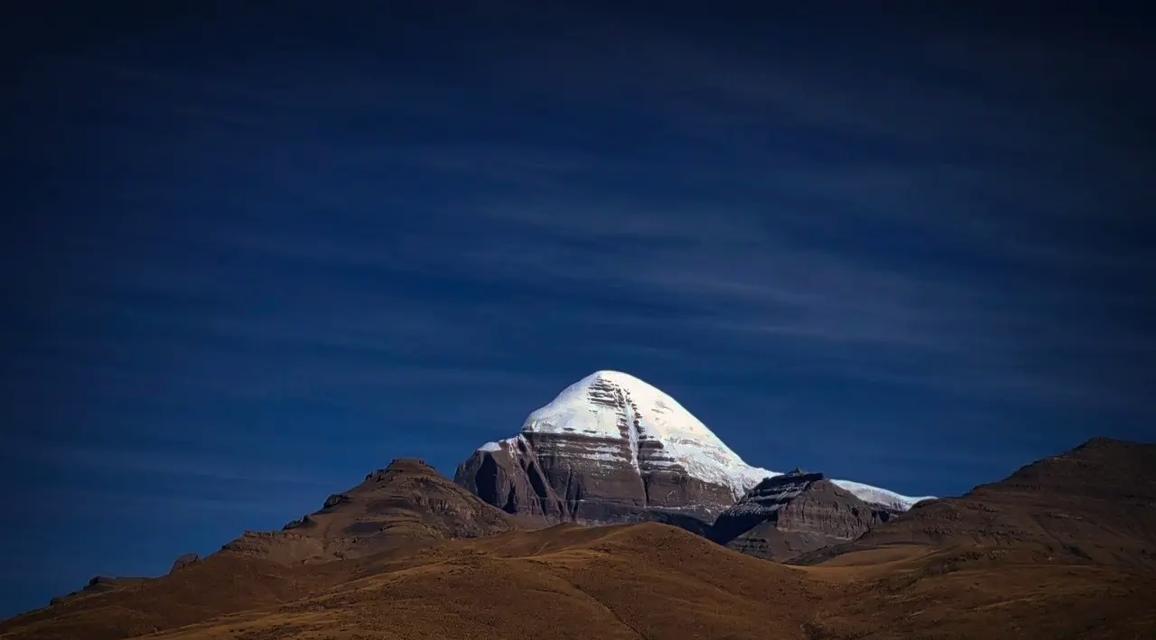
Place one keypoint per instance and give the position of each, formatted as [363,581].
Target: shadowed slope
[791,514]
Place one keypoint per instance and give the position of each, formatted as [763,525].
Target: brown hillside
[1095,503]
[995,563]
[406,506]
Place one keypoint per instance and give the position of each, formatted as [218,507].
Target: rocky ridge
[791,514]
[997,562]
[611,448]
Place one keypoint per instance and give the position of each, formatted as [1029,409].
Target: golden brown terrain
[997,566]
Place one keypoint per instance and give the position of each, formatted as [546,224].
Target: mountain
[568,582]
[788,515]
[405,506]
[1064,547]
[654,581]
[612,448]
[996,563]
[1096,502]
[394,515]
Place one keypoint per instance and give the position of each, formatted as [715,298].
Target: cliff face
[610,448]
[558,477]
[786,516]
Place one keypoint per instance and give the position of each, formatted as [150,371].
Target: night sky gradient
[254,251]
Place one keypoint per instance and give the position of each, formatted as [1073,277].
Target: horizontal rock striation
[792,514]
[610,448]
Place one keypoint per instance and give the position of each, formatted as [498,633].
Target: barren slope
[404,507]
[1093,504]
[633,581]
[996,563]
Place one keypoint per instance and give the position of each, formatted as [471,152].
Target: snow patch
[497,446]
[868,493]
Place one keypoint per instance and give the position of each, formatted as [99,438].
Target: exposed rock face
[610,448]
[621,582]
[1095,503]
[792,514]
[547,477]
[404,506]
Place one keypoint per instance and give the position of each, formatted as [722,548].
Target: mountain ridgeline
[614,449]
[1064,547]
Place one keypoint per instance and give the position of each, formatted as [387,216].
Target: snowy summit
[611,406]
[607,404]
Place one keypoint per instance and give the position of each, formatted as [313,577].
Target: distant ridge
[1096,502]
[789,515]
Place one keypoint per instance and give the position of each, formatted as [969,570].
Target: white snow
[615,405]
[608,404]
[868,493]
[497,446]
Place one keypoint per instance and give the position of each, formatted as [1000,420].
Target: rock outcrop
[789,515]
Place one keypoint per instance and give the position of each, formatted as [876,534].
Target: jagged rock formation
[404,506]
[786,516]
[612,448]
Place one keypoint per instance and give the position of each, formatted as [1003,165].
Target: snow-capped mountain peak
[613,420]
[615,405]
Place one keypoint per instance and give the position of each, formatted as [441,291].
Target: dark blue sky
[253,254]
